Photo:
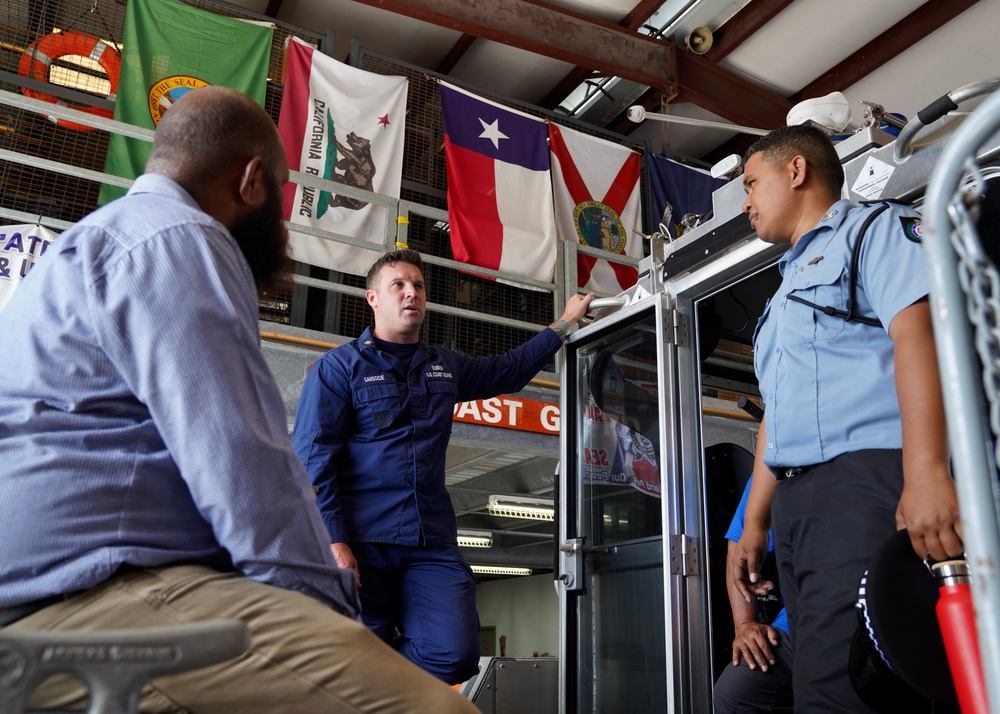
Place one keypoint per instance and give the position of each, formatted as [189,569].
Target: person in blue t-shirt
[760,679]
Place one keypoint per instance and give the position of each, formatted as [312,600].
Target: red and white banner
[20,247]
[509,412]
[499,189]
[347,125]
[595,185]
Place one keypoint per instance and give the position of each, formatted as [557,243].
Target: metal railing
[398,217]
[964,281]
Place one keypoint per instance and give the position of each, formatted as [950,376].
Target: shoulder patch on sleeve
[913,229]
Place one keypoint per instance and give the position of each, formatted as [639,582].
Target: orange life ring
[37,59]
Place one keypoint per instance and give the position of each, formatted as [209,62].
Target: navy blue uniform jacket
[373,436]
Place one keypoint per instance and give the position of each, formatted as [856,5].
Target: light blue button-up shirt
[139,422]
[828,384]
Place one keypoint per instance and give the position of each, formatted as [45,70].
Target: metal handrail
[974,466]
[396,216]
[937,109]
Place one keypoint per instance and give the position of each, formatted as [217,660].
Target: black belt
[783,472]
[10,615]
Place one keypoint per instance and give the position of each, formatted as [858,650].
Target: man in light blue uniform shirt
[853,442]
[372,428]
[146,475]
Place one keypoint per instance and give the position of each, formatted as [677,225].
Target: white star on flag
[499,193]
[492,132]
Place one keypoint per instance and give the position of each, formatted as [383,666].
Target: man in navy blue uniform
[372,429]
[853,443]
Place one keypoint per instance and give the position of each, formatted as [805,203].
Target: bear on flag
[346,125]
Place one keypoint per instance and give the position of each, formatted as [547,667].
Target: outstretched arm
[576,307]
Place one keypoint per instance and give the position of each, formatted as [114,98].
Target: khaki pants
[304,657]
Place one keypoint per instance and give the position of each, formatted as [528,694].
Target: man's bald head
[224,150]
[210,131]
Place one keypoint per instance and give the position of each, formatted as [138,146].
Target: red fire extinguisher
[958,630]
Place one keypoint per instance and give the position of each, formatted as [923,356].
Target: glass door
[617,502]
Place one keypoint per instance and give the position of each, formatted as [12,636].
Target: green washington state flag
[170,49]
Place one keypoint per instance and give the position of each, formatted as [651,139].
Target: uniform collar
[367,341]
[828,225]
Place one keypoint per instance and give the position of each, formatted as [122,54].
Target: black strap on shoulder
[849,314]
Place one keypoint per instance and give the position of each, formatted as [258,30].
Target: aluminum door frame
[743,262]
[571,502]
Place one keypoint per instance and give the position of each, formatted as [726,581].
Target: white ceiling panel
[396,36]
[961,52]
[607,10]
[809,37]
[510,71]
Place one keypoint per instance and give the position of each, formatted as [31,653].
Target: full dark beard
[263,239]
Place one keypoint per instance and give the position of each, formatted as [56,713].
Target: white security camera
[637,113]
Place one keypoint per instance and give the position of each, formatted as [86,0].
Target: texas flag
[596,190]
[347,125]
[499,190]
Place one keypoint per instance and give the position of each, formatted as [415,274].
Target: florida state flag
[595,186]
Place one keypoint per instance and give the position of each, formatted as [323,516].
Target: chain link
[980,282]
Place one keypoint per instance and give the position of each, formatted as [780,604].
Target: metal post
[970,439]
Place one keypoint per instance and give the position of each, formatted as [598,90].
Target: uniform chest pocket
[442,386]
[824,285]
[442,395]
[376,404]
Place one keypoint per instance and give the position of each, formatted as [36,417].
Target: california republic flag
[595,186]
[347,125]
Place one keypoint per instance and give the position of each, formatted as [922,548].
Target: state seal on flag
[167,91]
[598,225]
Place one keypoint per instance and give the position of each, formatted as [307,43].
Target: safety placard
[872,179]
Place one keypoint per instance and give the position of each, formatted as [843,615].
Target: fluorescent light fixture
[475,539]
[499,570]
[536,509]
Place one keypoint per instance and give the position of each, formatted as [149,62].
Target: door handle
[571,565]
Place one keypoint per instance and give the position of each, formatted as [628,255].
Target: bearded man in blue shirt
[853,443]
[372,428]
[146,475]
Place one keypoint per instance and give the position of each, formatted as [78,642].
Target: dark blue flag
[678,190]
